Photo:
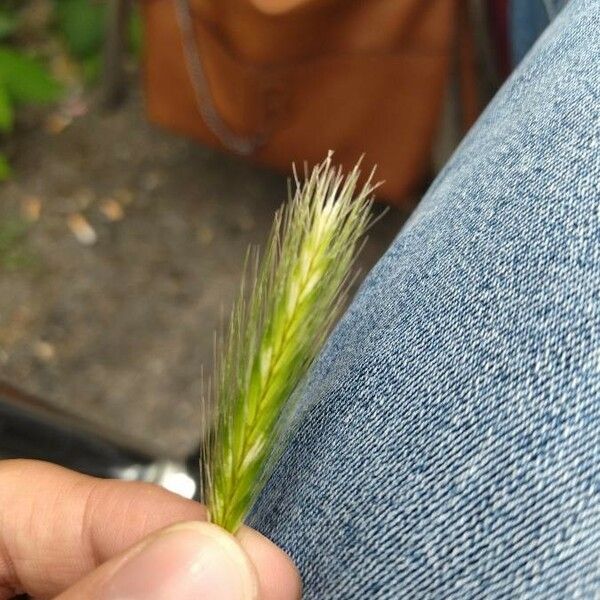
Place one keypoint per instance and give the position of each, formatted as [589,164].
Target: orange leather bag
[284,81]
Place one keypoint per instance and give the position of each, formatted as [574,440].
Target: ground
[117,330]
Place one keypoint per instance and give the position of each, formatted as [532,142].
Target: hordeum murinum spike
[289,299]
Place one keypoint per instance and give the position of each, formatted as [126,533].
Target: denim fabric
[528,18]
[450,446]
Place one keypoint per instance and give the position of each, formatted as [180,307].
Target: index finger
[56,526]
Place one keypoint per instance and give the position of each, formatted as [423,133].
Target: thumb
[188,561]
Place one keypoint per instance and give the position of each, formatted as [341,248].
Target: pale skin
[66,536]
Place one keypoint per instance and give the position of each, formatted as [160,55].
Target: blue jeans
[450,441]
[527,19]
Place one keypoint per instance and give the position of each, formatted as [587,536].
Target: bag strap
[239,144]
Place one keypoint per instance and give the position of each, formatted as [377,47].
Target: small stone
[81,229]
[31,208]
[56,123]
[44,350]
[112,210]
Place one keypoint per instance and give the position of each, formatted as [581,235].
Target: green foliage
[13,253]
[274,335]
[25,80]
[82,22]
[22,81]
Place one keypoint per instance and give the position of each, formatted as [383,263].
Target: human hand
[69,536]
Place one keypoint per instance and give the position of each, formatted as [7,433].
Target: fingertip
[187,561]
[278,576]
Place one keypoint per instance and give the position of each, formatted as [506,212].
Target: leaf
[25,79]
[6,110]
[83,23]
[5,170]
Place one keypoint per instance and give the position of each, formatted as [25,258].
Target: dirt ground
[115,325]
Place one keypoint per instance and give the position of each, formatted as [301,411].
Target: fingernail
[190,561]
